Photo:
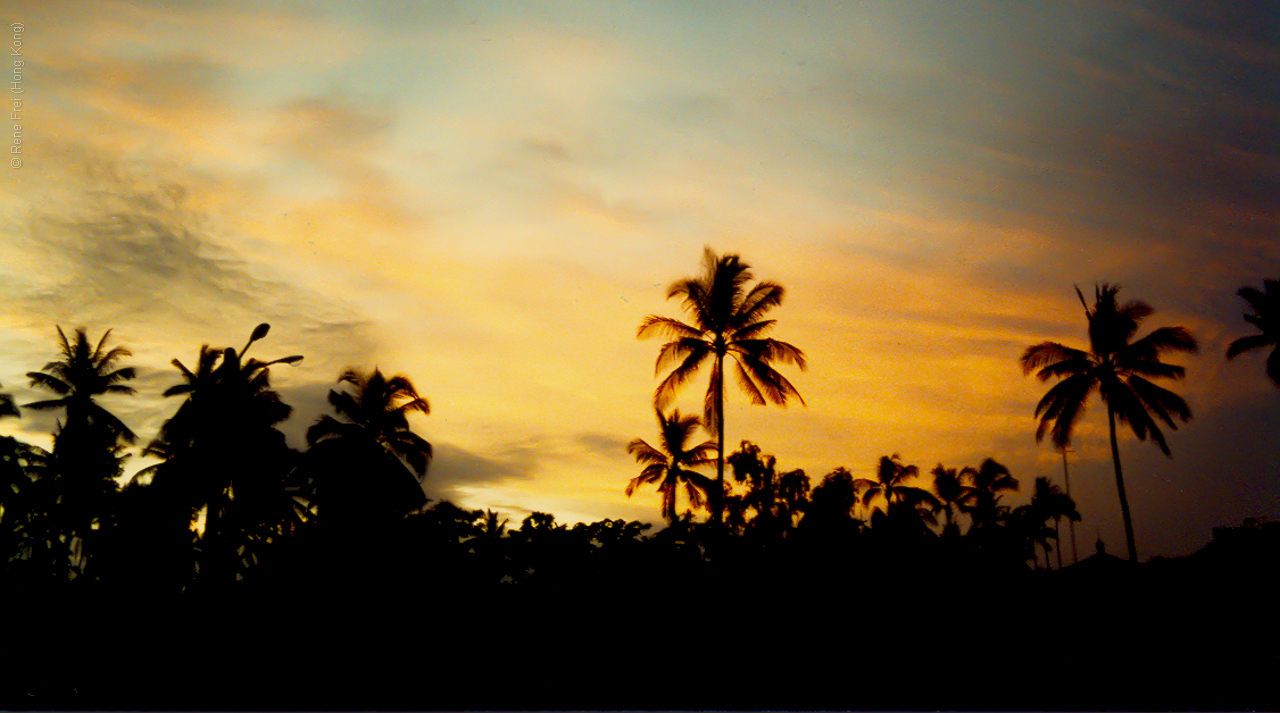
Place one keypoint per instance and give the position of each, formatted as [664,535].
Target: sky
[489,197]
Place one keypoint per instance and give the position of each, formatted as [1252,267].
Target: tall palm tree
[671,464]
[372,431]
[727,323]
[1118,368]
[1265,307]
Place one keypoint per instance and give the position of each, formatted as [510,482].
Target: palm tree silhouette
[671,465]
[85,372]
[87,451]
[990,481]
[1118,369]
[1265,307]
[224,442]
[728,321]
[952,492]
[892,488]
[1053,504]
[372,429]
[376,411]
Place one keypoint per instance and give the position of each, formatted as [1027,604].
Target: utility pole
[1066,474]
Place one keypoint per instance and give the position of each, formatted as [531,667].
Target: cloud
[454,467]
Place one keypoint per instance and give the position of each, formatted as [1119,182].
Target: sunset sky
[489,197]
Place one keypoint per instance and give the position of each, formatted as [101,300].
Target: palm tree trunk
[1124,501]
[1057,537]
[1071,524]
[719,377]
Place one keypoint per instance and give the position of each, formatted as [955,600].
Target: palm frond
[46,405]
[753,330]
[645,453]
[1162,340]
[1163,402]
[48,381]
[654,325]
[667,389]
[747,385]
[679,350]
[1253,341]
[762,298]
[1046,353]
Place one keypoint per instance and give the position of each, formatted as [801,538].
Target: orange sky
[489,197]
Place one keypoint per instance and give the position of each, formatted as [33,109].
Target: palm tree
[1265,307]
[990,480]
[1026,525]
[891,487]
[372,428]
[87,447]
[83,373]
[223,453]
[1052,504]
[376,412]
[1118,368]
[951,492]
[727,321]
[671,465]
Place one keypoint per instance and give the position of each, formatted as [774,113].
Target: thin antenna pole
[1066,474]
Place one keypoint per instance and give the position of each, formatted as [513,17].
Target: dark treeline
[239,572]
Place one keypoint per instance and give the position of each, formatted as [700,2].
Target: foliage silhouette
[1051,503]
[777,501]
[360,452]
[727,321]
[907,508]
[671,464]
[1117,368]
[87,453]
[990,480]
[1264,308]
[952,492]
[224,456]
[320,626]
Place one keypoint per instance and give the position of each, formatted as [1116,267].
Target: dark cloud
[133,254]
[453,467]
[601,444]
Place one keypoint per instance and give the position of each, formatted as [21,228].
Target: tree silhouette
[829,514]
[671,465]
[83,373]
[1026,522]
[7,406]
[990,481]
[727,321]
[1053,504]
[891,486]
[1264,305]
[86,454]
[223,454]
[370,437]
[1118,369]
[952,492]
